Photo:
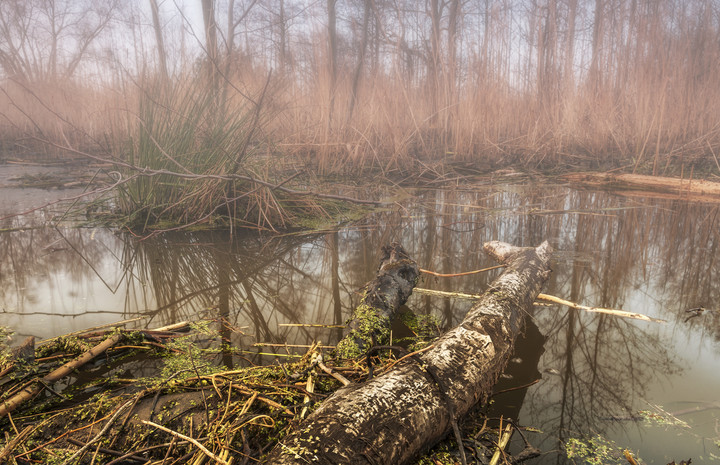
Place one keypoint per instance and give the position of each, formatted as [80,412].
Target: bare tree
[597,38]
[46,40]
[332,58]
[234,20]
[570,45]
[211,41]
[162,54]
[360,61]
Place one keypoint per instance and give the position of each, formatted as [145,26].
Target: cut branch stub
[369,323]
[392,418]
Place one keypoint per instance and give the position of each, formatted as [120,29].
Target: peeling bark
[391,418]
[381,298]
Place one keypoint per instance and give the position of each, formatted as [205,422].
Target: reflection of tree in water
[252,283]
[690,273]
[285,281]
[32,257]
[597,367]
[608,252]
[657,256]
[195,273]
[602,366]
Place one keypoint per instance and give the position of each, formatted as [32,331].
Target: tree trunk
[683,187]
[369,324]
[360,63]
[211,43]
[332,59]
[160,43]
[391,418]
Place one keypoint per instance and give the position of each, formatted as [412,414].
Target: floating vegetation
[595,451]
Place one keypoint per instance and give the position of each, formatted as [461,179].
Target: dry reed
[556,83]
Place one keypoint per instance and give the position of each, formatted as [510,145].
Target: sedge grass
[185,143]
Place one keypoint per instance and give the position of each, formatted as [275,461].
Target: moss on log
[369,323]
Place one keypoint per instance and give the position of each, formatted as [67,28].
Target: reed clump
[193,158]
[396,91]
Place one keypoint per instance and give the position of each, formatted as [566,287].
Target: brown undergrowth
[191,409]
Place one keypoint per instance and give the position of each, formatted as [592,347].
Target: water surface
[596,372]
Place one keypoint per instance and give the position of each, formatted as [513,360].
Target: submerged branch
[550,298]
[607,311]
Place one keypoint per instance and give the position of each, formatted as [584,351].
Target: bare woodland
[379,83]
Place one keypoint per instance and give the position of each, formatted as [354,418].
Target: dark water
[652,256]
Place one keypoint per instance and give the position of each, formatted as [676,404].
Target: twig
[307,325]
[55,439]
[310,388]
[330,371]
[457,295]
[187,438]
[131,456]
[629,457]
[504,439]
[10,446]
[100,434]
[516,387]
[292,346]
[453,275]
[549,298]
[115,325]
[411,354]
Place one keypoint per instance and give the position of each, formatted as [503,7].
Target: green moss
[67,345]
[5,352]
[370,324]
[332,214]
[425,329]
[444,453]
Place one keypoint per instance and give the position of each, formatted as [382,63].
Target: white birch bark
[392,418]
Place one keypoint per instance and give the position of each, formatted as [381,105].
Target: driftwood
[553,299]
[34,388]
[688,188]
[393,417]
[369,323]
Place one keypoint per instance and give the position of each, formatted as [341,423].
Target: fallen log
[369,323]
[687,188]
[35,387]
[393,417]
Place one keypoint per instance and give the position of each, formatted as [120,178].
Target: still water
[596,372]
